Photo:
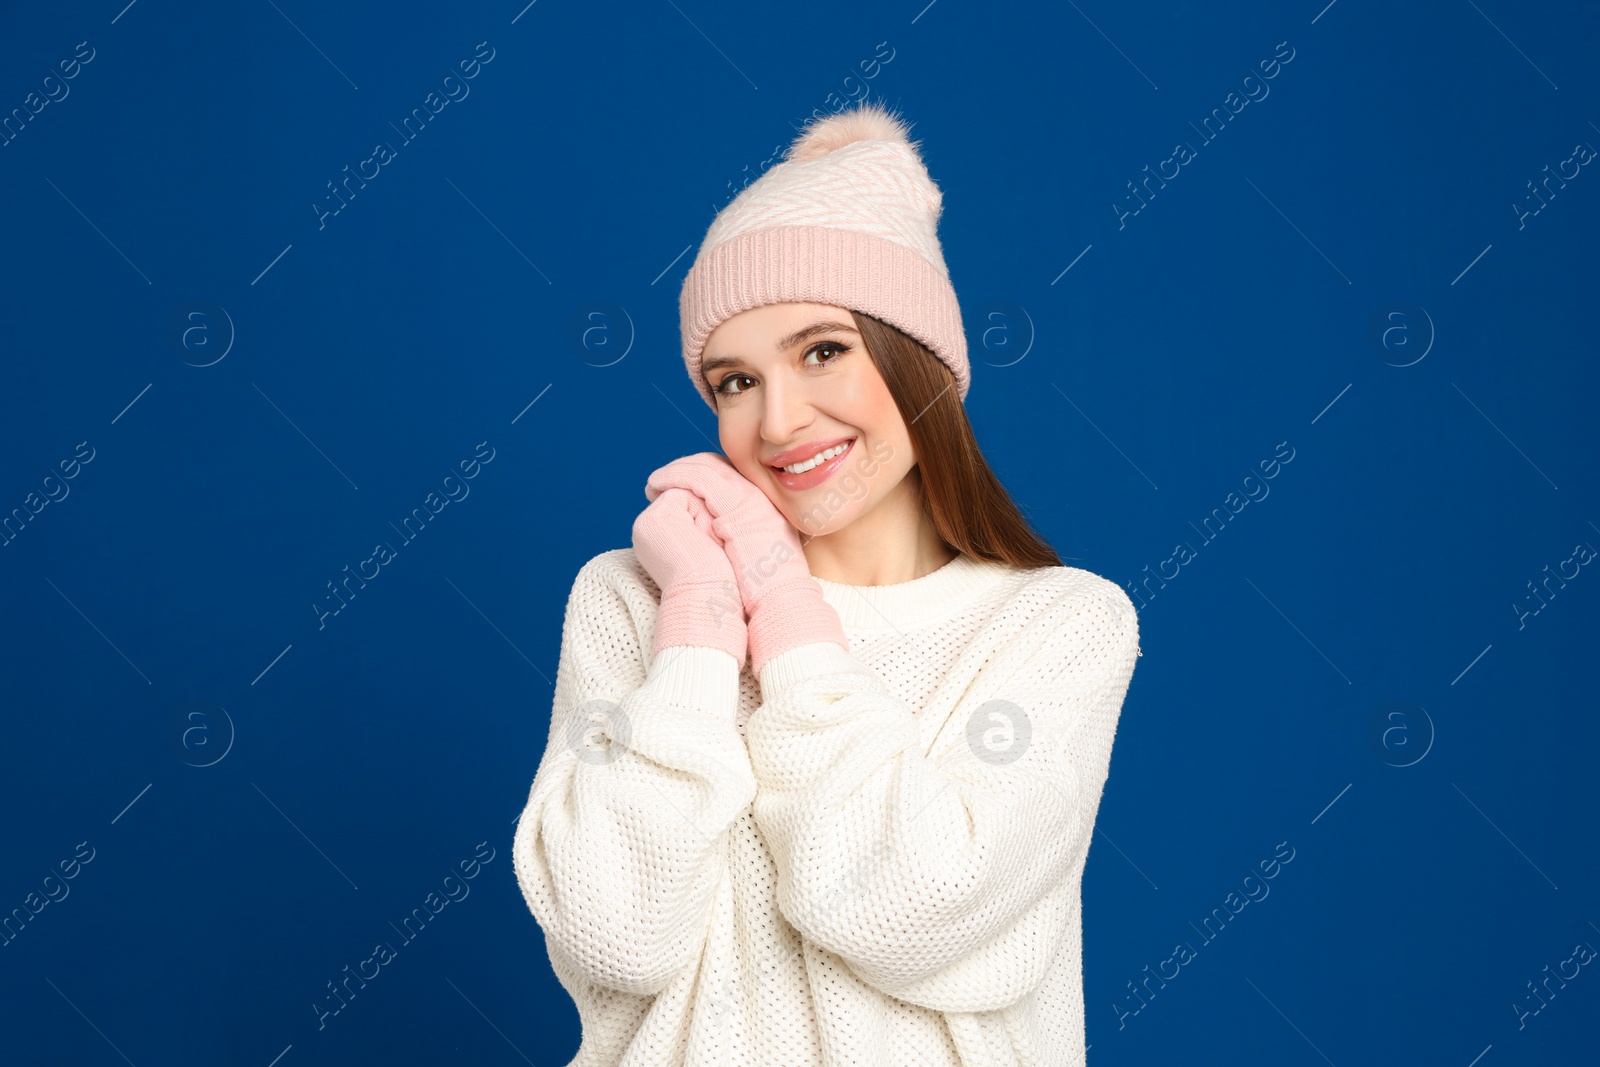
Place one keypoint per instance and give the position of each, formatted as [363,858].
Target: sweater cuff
[697,677]
[804,662]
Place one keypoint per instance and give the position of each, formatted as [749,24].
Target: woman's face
[794,380]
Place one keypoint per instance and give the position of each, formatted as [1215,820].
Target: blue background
[1344,668]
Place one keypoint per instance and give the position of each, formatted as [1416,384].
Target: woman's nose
[787,411]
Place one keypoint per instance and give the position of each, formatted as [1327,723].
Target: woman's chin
[809,524]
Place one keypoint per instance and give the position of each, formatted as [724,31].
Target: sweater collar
[935,595]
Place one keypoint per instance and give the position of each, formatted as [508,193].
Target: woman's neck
[894,542]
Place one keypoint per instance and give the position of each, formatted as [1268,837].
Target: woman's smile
[813,469]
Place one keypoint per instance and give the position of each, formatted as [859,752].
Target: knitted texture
[869,856]
[784,606]
[849,218]
[674,541]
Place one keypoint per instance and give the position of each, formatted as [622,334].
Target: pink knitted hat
[848,218]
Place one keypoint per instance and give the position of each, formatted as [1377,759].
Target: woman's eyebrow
[805,333]
[717,362]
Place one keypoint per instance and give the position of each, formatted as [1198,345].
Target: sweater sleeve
[945,879]
[618,851]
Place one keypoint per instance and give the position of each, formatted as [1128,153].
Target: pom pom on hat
[848,218]
[832,132]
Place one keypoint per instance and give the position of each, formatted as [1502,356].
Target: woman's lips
[816,475]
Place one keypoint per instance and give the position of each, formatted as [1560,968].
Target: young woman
[865,846]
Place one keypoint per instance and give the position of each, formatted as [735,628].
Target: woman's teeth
[820,457]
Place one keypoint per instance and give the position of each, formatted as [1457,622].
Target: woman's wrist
[790,614]
[703,614]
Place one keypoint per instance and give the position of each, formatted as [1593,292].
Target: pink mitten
[700,603]
[783,602]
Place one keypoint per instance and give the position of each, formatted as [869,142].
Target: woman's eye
[724,386]
[838,349]
[732,384]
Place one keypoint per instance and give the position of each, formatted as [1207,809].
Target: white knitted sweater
[868,858]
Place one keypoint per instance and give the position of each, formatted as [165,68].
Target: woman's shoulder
[611,593]
[615,573]
[617,570]
[1058,589]
[610,582]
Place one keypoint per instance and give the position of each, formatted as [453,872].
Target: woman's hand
[700,605]
[783,602]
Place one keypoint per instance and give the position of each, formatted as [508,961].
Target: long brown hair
[968,506]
